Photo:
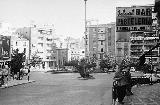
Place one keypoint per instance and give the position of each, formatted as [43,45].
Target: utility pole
[85,37]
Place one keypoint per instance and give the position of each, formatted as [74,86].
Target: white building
[21,44]
[41,43]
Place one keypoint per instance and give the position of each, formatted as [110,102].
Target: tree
[71,63]
[84,67]
[106,63]
[35,59]
[17,61]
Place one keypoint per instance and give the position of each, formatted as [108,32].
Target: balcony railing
[101,38]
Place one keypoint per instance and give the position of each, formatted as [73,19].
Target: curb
[3,87]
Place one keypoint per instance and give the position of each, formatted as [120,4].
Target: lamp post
[85,33]
[85,28]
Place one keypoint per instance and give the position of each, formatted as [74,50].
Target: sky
[67,16]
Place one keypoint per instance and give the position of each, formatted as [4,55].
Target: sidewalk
[15,83]
[144,95]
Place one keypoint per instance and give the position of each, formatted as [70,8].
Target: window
[49,39]
[24,50]
[101,56]
[109,43]
[109,30]
[101,42]
[86,37]
[101,49]
[94,29]
[41,38]
[86,43]
[94,49]
[119,52]
[41,44]
[16,43]
[24,44]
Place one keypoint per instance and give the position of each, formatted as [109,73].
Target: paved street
[60,89]
[144,95]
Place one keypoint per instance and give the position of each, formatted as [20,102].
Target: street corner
[16,83]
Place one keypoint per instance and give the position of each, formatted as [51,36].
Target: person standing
[129,82]
[121,80]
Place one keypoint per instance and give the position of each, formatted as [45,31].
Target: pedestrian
[129,81]
[121,80]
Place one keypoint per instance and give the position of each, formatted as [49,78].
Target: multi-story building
[134,33]
[40,42]
[100,41]
[21,44]
[140,43]
[75,50]
[143,41]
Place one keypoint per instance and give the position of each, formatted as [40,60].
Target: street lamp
[85,37]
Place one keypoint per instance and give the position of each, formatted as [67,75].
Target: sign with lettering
[136,18]
[134,11]
[5,48]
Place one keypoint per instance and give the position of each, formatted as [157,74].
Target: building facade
[41,43]
[22,45]
[75,49]
[100,41]
[140,43]
[133,27]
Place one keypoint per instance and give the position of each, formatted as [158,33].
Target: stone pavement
[15,83]
[144,95]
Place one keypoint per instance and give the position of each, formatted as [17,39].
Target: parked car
[153,77]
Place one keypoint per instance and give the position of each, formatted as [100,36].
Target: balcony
[136,53]
[101,38]
[137,50]
[137,38]
[137,42]
[101,30]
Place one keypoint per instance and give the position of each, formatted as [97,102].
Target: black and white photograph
[79,52]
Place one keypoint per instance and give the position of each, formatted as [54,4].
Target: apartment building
[21,44]
[75,49]
[142,42]
[134,32]
[41,43]
[100,41]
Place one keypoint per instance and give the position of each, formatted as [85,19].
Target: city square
[84,52]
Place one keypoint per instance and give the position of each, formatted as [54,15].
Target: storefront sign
[134,18]
[134,11]
[5,48]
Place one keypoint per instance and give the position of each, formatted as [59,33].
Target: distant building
[40,42]
[100,41]
[21,44]
[75,50]
[134,32]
